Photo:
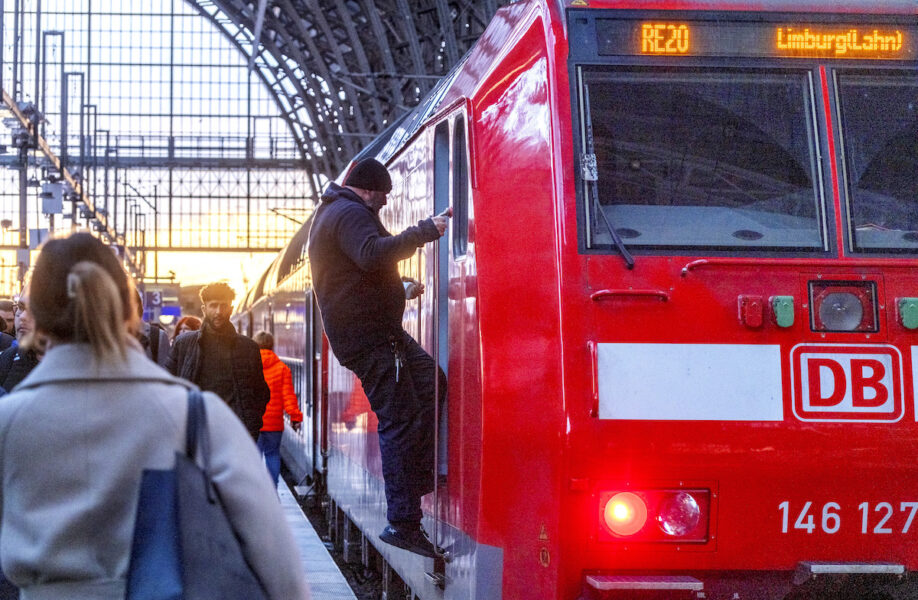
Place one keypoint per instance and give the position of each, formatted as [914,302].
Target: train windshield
[879,114]
[716,159]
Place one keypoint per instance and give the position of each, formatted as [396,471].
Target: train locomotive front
[752,426]
[677,306]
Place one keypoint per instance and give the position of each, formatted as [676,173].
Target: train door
[451,190]
[311,401]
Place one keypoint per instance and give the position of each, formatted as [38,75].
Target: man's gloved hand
[442,220]
[413,288]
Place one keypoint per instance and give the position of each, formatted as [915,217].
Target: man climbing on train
[361,296]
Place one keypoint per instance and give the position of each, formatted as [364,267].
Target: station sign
[161,301]
[785,39]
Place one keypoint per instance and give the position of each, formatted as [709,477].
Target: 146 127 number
[875,518]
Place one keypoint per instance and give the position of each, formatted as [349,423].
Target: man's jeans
[269,445]
[403,399]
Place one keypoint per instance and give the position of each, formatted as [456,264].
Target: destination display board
[662,37]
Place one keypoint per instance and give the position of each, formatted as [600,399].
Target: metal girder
[276,44]
[379,34]
[271,80]
[347,20]
[77,191]
[334,108]
[411,38]
[445,16]
[341,71]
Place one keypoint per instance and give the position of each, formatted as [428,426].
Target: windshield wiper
[590,175]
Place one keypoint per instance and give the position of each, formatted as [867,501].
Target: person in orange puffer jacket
[283,399]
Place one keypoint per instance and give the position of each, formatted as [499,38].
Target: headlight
[679,514]
[843,306]
[841,311]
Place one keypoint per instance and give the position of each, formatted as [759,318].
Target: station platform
[325,579]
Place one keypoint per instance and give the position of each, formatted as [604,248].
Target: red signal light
[625,513]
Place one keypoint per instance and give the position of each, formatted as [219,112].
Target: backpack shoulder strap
[154,343]
[196,436]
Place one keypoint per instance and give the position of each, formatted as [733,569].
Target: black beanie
[369,174]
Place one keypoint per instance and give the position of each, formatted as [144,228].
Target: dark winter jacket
[251,393]
[155,343]
[15,364]
[354,263]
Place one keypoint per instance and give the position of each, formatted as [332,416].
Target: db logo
[847,383]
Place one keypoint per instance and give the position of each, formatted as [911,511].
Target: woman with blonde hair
[79,431]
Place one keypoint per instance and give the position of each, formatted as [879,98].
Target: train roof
[288,260]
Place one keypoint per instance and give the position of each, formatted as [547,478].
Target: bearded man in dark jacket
[219,360]
[361,296]
[16,362]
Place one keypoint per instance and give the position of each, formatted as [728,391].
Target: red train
[677,306]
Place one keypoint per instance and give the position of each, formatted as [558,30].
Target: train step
[608,587]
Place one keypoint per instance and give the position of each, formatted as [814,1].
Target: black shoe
[411,539]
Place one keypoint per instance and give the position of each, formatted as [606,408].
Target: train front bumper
[811,580]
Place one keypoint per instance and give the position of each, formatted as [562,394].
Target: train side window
[460,225]
[441,202]
[441,167]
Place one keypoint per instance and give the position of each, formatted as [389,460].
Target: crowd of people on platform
[245,373]
[77,363]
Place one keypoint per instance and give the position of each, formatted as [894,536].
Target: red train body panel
[734,408]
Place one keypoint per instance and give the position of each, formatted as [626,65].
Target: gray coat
[74,439]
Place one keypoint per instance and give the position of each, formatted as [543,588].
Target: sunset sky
[238,269]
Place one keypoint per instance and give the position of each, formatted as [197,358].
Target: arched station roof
[342,71]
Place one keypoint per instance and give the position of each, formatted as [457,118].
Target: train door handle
[600,295]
